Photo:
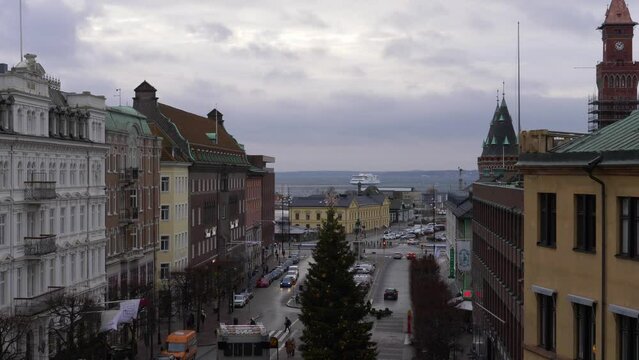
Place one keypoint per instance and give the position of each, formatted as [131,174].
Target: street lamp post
[357,230]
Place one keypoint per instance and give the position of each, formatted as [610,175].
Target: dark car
[390,294]
[287,282]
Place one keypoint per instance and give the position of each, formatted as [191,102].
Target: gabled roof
[622,135]
[501,139]
[195,128]
[618,14]
[145,87]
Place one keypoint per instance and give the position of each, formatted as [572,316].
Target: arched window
[617,81]
[43,125]
[623,81]
[605,80]
[611,82]
[63,173]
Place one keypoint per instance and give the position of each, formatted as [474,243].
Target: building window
[628,334]
[546,321]
[629,223]
[584,331]
[164,271]
[318,216]
[297,216]
[3,288]
[3,228]
[164,184]
[63,212]
[586,216]
[164,243]
[164,212]
[547,219]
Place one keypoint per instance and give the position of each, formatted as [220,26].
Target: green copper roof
[211,136]
[494,142]
[506,142]
[125,118]
[622,135]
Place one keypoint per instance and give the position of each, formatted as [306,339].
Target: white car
[239,300]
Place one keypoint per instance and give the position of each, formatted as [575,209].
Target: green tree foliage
[437,321]
[333,308]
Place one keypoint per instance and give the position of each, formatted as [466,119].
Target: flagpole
[21,53]
[518,90]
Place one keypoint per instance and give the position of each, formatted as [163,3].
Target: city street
[271,305]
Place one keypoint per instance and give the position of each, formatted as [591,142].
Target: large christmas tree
[333,308]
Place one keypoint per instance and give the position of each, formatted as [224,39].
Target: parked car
[239,300]
[263,282]
[287,282]
[440,237]
[391,294]
[440,227]
[397,255]
[411,256]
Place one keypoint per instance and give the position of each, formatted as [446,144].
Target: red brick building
[132,210]
[617,73]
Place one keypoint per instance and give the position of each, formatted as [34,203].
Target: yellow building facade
[373,212]
[581,247]
[172,249]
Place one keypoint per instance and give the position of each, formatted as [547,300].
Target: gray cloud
[211,30]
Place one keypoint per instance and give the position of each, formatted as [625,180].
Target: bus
[243,342]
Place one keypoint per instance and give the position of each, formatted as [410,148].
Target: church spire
[618,14]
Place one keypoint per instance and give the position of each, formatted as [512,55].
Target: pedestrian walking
[287,324]
[290,347]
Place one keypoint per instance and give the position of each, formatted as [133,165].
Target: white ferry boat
[365,179]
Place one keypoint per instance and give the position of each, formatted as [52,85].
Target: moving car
[293,274]
[397,255]
[390,294]
[287,282]
[239,300]
[411,256]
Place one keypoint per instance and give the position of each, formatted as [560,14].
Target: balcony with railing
[129,175]
[128,215]
[38,188]
[39,245]
[30,306]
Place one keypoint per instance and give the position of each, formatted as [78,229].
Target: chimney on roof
[216,115]
[144,96]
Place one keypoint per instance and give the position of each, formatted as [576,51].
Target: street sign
[273,342]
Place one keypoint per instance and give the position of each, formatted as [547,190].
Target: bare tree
[77,322]
[13,329]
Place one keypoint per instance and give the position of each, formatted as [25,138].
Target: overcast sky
[360,85]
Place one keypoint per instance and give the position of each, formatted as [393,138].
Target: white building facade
[52,197]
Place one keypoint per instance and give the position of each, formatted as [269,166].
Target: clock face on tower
[619,45]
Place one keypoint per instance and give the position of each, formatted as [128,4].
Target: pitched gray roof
[501,139]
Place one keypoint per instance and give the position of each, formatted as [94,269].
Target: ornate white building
[52,197]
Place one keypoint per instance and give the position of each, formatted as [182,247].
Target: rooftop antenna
[21,53]
[503,89]
[118,94]
[217,135]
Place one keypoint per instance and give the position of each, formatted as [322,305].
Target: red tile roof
[194,129]
[167,153]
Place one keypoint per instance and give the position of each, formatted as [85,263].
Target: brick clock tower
[617,73]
